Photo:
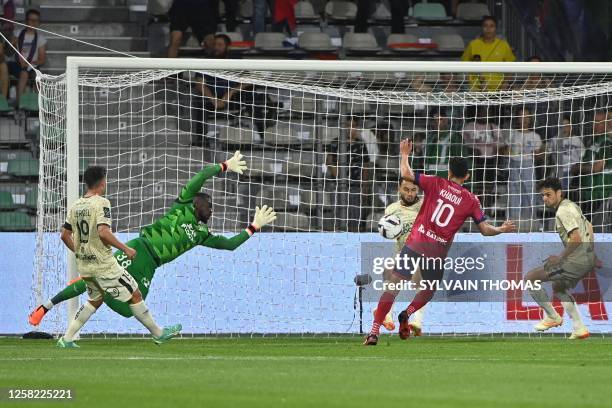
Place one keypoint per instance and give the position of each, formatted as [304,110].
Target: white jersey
[94,258]
[407,215]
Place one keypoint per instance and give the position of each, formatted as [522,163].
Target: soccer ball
[390,226]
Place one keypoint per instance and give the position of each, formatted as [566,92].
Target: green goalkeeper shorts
[142,268]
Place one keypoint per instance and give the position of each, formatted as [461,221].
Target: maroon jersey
[445,208]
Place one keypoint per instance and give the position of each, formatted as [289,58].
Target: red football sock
[384,306]
[420,300]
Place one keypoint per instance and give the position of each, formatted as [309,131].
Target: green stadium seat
[23,168]
[15,221]
[52,199]
[6,201]
[29,102]
[4,105]
[430,12]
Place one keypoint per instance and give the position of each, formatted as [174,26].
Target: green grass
[335,372]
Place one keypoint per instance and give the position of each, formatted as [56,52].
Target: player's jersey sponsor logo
[107,213]
[191,234]
[145,282]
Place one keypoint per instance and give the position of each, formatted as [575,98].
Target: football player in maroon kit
[446,206]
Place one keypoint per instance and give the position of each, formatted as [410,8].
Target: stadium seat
[341,10]
[15,221]
[293,221]
[23,168]
[472,11]
[449,42]
[238,43]
[29,102]
[303,105]
[4,105]
[328,134]
[271,42]
[381,13]
[238,135]
[304,12]
[6,201]
[286,134]
[403,43]
[8,155]
[430,12]
[360,43]
[316,42]
[52,200]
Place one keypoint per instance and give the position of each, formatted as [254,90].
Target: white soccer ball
[390,226]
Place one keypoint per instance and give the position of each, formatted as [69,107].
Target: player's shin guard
[384,306]
[142,314]
[542,299]
[80,318]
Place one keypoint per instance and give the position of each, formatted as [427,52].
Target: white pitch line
[271,358]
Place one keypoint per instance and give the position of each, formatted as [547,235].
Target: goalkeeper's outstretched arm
[193,186]
[263,216]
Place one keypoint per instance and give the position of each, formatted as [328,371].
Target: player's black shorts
[431,269]
[197,14]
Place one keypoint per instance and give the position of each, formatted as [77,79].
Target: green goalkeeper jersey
[178,230]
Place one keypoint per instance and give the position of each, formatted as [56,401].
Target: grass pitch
[328,372]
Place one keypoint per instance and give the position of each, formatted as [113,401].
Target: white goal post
[390,97]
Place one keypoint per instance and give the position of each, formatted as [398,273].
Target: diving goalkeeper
[182,228]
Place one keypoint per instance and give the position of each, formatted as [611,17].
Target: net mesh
[323,150]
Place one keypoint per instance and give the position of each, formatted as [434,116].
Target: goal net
[321,140]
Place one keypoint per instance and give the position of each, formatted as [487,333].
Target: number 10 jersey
[94,258]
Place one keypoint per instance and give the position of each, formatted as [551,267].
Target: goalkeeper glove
[263,216]
[235,163]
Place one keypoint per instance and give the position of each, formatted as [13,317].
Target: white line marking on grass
[274,358]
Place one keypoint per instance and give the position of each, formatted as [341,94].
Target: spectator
[4,74]
[482,141]
[596,171]
[358,132]
[478,81]
[491,49]
[547,119]
[284,16]
[260,8]
[196,14]
[356,160]
[448,82]
[231,11]
[218,94]
[439,144]
[524,147]
[566,150]
[399,10]
[32,47]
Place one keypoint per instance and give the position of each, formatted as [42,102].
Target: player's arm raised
[489,230]
[263,216]
[193,186]
[406,170]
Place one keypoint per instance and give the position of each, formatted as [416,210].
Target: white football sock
[80,318]
[541,297]
[574,313]
[49,304]
[142,314]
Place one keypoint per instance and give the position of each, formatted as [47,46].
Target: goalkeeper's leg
[142,269]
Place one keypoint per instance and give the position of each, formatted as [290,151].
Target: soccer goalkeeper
[182,228]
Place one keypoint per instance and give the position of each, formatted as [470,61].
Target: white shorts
[120,288]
